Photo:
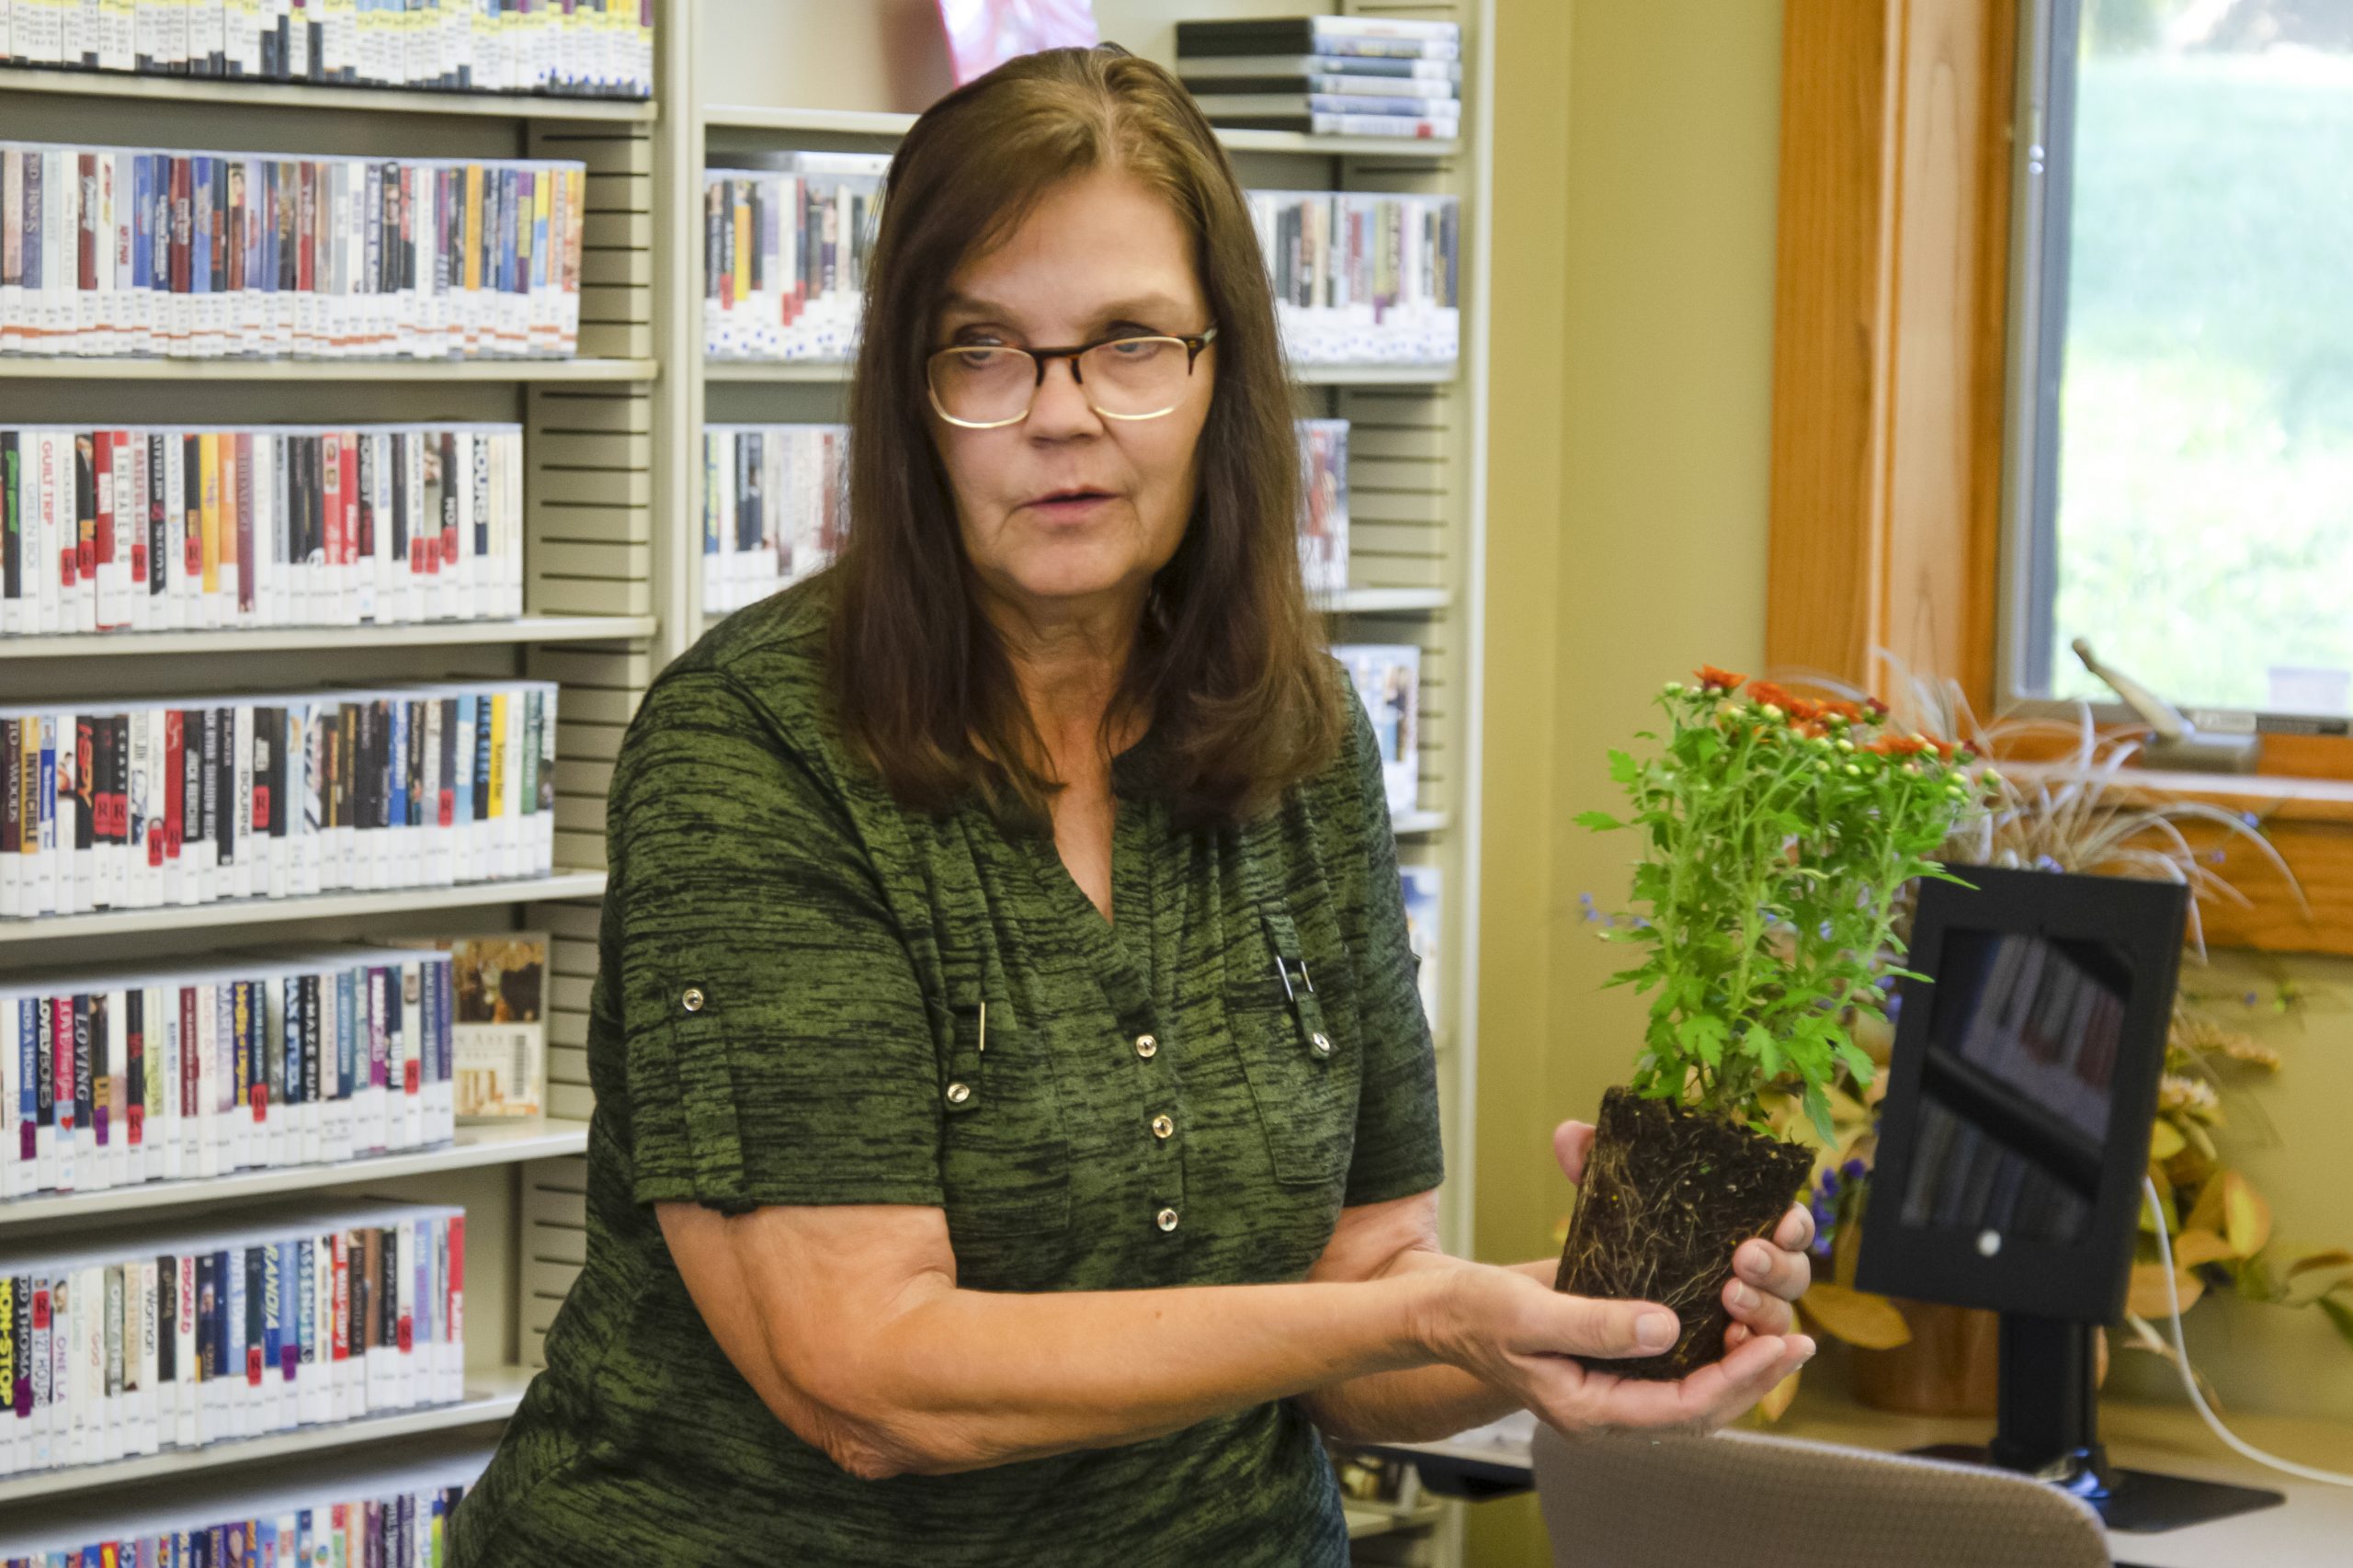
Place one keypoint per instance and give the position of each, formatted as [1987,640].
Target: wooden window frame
[1890,343]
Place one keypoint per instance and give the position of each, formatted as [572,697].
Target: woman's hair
[1229,664]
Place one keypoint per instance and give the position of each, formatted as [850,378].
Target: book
[1223,109]
[1363,278]
[1320,34]
[1324,505]
[1438,98]
[330,807]
[146,253]
[1356,68]
[259,1326]
[785,252]
[497,1028]
[1404,126]
[1423,901]
[247,1060]
[306,548]
[578,48]
[774,508]
[1388,679]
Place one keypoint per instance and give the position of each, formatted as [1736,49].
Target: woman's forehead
[1087,247]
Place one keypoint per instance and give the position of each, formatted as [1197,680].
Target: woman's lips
[1071,509]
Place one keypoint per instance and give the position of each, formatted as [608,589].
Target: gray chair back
[1742,1500]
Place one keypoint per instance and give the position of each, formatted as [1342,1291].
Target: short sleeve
[776,1042]
[1399,1150]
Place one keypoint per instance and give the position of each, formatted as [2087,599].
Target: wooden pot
[1951,1367]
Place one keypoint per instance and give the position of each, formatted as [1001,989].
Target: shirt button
[1321,1042]
[1162,1127]
[692,1000]
[959,1093]
[1166,1219]
[1147,1047]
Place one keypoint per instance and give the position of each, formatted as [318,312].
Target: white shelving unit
[612,565]
[592,622]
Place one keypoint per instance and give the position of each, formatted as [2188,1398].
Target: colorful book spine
[199,527]
[169,802]
[564,48]
[774,508]
[132,251]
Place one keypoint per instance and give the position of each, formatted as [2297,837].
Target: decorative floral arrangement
[1778,834]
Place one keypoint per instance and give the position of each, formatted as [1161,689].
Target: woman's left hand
[1769,1275]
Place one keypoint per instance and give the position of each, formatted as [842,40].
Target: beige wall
[1635,167]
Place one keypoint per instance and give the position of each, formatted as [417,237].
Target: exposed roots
[1667,1195]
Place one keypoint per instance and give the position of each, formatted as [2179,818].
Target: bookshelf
[591,622]
[612,566]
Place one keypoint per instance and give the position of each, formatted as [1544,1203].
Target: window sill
[2309,821]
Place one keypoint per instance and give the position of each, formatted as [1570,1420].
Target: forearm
[964,1380]
[1419,1404]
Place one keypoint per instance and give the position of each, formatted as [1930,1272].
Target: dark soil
[1668,1194]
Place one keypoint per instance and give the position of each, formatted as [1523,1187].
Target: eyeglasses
[1122,378]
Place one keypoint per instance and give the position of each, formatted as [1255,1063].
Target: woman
[1016,1124]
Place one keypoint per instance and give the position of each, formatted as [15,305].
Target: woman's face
[1068,510]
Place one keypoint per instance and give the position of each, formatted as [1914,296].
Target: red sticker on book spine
[407,1334]
[410,1076]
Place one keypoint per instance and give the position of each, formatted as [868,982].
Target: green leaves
[1777,835]
[1702,1035]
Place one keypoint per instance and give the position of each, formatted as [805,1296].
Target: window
[2180,484]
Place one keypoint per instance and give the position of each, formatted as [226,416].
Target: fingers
[1589,1327]
[1755,1312]
[1714,1395]
[1571,1143]
[1795,1233]
[1772,1270]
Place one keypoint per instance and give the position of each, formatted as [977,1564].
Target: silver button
[692,1000]
[1321,1042]
[1162,1127]
[1166,1219]
[1147,1047]
[959,1093]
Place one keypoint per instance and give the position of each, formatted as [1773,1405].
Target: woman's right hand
[1516,1334]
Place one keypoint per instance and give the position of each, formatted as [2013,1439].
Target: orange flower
[1714,679]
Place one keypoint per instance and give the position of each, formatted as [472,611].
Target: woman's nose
[1060,406]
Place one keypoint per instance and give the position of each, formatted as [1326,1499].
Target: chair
[1739,1500]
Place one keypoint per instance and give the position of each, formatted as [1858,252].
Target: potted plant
[1778,836]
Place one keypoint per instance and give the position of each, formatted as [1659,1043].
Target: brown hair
[1229,664]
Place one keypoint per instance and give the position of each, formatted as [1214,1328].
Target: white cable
[2190,1380]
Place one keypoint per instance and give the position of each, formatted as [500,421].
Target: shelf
[1369,1520]
[278,639]
[491,1396]
[1303,375]
[28,367]
[321,906]
[1408,825]
[257,94]
[1420,149]
[497,1143]
[1374,375]
[775,369]
[1383,601]
[866,122]
[835,121]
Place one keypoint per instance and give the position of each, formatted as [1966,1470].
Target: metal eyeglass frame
[1040,357]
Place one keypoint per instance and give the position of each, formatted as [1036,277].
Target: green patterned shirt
[787,1010]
